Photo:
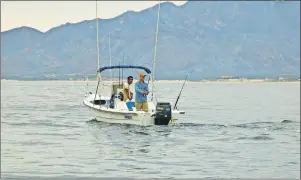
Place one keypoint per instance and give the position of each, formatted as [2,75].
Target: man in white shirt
[127,89]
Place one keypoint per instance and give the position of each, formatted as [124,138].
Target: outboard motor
[163,113]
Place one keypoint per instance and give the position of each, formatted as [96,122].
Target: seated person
[128,95]
[127,89]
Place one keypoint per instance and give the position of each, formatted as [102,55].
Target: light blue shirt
[139,87]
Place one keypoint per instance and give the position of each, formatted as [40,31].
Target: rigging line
[98,59]
[96,91]
[155,52]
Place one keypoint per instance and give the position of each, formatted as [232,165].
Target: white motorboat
[113,109]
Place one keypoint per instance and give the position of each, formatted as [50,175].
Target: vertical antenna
[110,55]
[119,75]
[155,53]
[86,79]
[122,68]
[97,44]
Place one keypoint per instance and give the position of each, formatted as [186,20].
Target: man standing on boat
[142,91]
[127,90]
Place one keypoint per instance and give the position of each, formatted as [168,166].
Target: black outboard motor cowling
[163,113]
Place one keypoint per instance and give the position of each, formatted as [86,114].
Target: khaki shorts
[141,106]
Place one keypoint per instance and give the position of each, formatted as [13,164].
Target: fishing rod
[119,75]
[175,106]
[86,79]
[122,68]
[96,90]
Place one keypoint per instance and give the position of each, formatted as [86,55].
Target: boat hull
[127,117]
[105,114]
[123,118]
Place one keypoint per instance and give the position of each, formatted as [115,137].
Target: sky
[44,15]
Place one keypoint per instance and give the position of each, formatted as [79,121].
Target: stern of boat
[177,114]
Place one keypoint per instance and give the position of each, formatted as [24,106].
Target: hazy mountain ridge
[203,38]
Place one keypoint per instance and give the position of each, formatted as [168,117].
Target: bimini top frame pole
[124,67]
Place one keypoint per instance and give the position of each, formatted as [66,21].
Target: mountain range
[202,38]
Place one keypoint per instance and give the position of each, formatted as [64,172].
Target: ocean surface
[230,130]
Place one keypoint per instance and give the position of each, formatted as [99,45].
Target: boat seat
[122,105]
[117,88]
[99,102]
[130,105]
[151,107]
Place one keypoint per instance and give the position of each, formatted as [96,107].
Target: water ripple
[230,131]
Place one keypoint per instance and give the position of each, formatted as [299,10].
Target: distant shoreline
[171,81]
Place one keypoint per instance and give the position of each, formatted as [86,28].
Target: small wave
[265,138]
[40,124]
[33,143]
[52,134]
[254,125]
[62,165]
[140,132]
[287,121]
[92,121]
[103,124]
[273,126]
[200,125]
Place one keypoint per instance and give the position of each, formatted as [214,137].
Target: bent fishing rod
[175,106]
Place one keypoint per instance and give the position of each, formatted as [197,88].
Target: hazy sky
[43,15]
